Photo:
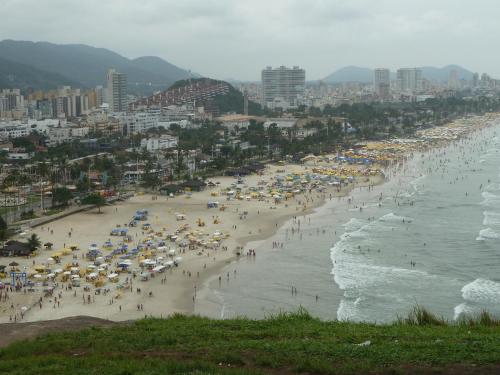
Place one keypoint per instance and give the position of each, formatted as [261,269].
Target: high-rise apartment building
[382,83]
[453,80]
[11,99]
[117,91]
[283,85]
[475,80]
[409,79]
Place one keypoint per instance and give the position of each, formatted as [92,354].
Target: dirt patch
[12,332]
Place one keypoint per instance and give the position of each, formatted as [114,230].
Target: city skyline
[319,36]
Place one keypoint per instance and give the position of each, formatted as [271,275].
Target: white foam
[347,311]
[415,186]
[354,225]
[463,309]
[350,271]
[393,217]
[482,291]
[491,218]
[490,199]
[487,234]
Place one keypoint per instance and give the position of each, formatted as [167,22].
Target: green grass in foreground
[287,343]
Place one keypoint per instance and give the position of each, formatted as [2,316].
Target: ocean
[429,236]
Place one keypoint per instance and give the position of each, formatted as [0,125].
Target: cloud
[234,38]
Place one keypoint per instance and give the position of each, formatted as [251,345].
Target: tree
[34,242]
[95,199]
[3,229]
[151,178]
[61,195]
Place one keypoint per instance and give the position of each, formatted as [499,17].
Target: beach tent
[159,269]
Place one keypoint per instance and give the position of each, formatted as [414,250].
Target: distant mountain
[365,75]
[159,66]
[350,74]
[88,65]
[24,77]
[443,74]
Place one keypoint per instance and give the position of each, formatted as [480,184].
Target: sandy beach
[216,236]
[175,290]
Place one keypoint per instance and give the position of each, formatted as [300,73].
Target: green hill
[16,75]
[231,102]
[88,65]
[286,344]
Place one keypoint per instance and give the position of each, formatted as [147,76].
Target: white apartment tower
[409,79]
[117,91]
[382,83]
[453,81]
[283,85]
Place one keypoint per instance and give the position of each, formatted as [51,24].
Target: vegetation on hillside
[287,343]
[26,78]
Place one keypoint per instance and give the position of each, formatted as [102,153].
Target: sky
[236,39]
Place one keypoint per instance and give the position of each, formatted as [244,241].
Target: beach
[428,236]
[218,245]
[175,289]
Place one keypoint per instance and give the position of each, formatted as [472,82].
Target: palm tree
[42,172]
[34,242]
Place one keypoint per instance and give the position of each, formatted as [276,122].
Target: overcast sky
[237,38]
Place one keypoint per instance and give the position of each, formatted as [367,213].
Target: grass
[285,343]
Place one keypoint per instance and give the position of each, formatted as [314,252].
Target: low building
[19,154]
[15,249]
[237,121]
[163,142]
[139,122]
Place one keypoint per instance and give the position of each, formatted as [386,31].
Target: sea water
[430,236]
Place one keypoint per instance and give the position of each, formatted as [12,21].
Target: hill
[218,97]
[365,75]
[16,75]
[350,74]
[284,344]
[88,65]
[443,74]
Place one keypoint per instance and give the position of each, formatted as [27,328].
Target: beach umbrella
[48,245]
[13,264]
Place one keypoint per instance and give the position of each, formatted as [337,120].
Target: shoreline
[179,293]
